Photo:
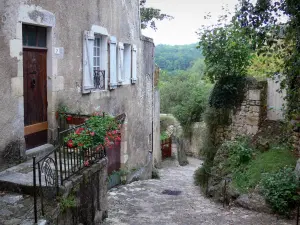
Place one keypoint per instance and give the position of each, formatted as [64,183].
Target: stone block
[252,130]
[252,102]
[16,47]
[254,109]
[17,86]
[252,120]
[254,95]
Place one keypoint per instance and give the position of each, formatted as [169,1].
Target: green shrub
[163,136]
[239,152]
[201,177]
[280,190]
[249,176]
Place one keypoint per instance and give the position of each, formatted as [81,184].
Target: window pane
[98,61]
[29,35]
[42,36]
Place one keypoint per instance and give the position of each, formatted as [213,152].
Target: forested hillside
[176,57]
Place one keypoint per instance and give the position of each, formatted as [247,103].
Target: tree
[264,25]
[149,16]
[226,49]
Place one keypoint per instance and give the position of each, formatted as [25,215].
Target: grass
[247,177]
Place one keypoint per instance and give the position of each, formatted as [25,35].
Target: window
[95,61]
[127,63]
[34,36]
[96,54]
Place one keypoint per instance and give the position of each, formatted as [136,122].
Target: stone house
[87,55]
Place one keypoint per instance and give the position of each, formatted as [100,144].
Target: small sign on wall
[58,52]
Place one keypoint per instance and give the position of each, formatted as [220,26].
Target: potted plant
[61,111]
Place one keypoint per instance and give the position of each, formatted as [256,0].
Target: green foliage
[166,121]
[239,152]
[264,66]
[249,176]
[200,177]
[185,96]
[172,58]
[164,136]
[226,49]
[280,190]
[99,131]
[269,34]
[228,92]
[66,203]
[100,125]
[150,15]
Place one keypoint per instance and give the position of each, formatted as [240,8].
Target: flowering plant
[82,137]
[101,131]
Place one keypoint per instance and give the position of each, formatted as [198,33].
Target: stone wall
[89,191]
[246,120]
[197,140]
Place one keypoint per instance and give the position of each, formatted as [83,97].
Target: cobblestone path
[143,203]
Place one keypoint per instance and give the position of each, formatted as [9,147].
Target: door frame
[49,70]
[41,126]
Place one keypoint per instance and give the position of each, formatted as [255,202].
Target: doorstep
[39,151]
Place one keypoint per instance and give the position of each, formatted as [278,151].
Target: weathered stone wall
[197,140]
[249,116]
[66,20]
[89,191]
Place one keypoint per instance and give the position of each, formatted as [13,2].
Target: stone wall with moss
[248,117]
[83,198]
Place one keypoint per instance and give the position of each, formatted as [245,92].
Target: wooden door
[35,96]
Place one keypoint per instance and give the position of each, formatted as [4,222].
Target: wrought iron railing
[99,79]
[51,171]
[72,158]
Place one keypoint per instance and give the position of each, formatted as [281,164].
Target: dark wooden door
[35,96]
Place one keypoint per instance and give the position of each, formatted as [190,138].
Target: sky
[188,18]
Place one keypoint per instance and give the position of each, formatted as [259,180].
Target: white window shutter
[134,64]
[120,62]
[88,76]
[113,63]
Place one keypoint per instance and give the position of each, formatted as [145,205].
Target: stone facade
[66,22]
[246,120]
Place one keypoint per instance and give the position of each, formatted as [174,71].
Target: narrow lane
[148,202]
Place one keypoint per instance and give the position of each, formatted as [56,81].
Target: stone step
[39,152]
[20,178]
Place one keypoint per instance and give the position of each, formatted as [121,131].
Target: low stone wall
[247,119]
[84,200]
[197,140]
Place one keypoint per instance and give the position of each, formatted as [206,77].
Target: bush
[163,136]
[200,177]
[249,176]
[280,190]
[239,152]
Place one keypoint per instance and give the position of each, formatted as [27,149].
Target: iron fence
[63,162]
